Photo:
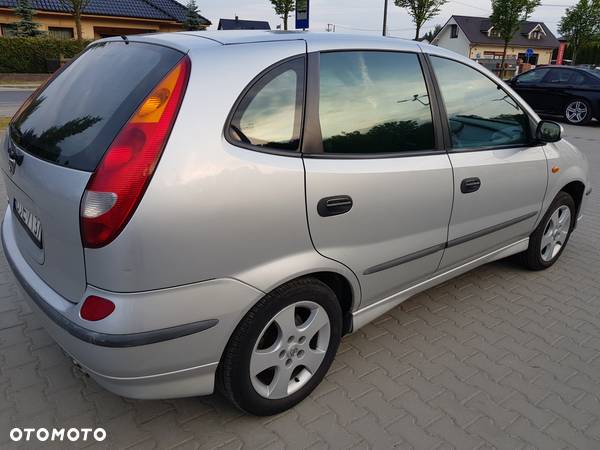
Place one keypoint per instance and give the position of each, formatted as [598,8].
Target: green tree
[192,21]
[432,33]
[283,8]
[581,25]
[507,17]
[421,11]
[26,26]
[77,7]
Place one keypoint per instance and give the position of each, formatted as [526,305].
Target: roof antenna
[125,39]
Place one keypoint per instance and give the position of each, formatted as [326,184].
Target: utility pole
[385,3]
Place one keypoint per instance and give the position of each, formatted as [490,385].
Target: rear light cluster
[120,180]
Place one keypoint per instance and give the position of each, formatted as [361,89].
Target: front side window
[374,102]
[480,113]
[270,114]
[533,76]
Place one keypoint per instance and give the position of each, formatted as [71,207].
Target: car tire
[282,348]
[551,236]
[578,111]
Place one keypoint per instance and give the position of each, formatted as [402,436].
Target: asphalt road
[11,99]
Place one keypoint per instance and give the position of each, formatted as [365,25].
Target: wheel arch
[342,288]
[576,189]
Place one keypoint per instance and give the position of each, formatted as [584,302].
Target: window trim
[444,115]
[273,151]
[312,145]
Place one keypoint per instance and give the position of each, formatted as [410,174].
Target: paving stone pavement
[498,358]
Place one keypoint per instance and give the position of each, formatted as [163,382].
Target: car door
[499,174]
[558,85]
[378,185]
[529,86]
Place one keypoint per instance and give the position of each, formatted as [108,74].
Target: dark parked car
[571,92]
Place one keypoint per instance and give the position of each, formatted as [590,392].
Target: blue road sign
[302,14]
[529,52]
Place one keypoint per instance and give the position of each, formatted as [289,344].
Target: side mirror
[548,131]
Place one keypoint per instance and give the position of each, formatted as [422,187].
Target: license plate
[29,221]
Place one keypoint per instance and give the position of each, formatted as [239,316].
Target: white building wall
[459,45]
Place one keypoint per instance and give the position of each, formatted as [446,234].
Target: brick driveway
[500,357]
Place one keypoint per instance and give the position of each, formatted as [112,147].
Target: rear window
[75,118]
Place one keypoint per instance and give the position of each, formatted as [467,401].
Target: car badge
[15,158]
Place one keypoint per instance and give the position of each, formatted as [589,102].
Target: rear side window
[480,113]
[269,115]
[73,121]
[561,76]
[374,102]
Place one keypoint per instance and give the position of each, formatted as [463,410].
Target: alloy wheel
[290,350]
[556,233]
[576,111]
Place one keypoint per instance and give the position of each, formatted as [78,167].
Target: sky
[366,16]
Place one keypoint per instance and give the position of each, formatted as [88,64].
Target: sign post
[529,54]
[561,53]
[302,8]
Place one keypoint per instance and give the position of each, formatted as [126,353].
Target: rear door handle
[469,185]
[334,206]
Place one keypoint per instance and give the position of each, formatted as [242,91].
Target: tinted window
[593,76]
[480,113]
[374,102]
[578,78]
[75,118]
[533,76]
[270,114]
[560,76]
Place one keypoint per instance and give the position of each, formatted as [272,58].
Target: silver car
[206,209]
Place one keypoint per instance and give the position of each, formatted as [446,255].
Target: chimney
[237,18]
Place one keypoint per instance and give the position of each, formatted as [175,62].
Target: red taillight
[96,308]
[118,184]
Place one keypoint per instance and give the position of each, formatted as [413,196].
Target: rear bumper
[157,344]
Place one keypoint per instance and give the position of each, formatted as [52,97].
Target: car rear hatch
[56,141]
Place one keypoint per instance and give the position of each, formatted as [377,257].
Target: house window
[536,35]
[60,32]
[453,31]
[493,33]
[7,29]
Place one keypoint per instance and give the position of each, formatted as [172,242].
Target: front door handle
[334,206]
[469,185]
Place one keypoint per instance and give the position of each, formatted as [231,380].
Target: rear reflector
[96,308]
[118,184]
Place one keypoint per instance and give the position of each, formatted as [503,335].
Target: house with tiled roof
[239,24]
[476,38]
[102,18]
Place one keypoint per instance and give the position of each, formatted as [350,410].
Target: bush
[31,54]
